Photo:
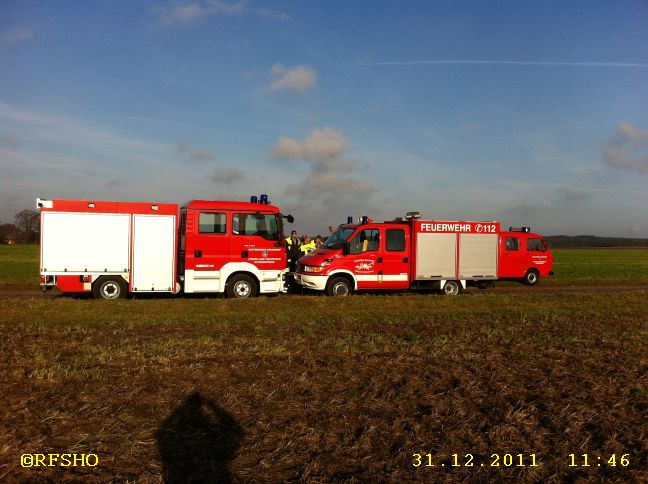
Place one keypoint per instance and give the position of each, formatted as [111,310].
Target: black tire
[451,288]
[532,277]
[241,286]
[110,288]
[339,286]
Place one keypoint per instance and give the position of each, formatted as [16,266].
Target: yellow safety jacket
[308,248]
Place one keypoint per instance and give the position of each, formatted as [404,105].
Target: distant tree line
[575,241]
[24,230]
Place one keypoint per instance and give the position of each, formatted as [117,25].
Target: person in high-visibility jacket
[292,250]
[307,245]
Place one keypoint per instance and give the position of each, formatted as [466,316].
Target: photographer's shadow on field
[198,441]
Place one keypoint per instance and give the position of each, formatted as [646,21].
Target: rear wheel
[241,286]
[339,286]
[451,288]
[109,288]
[532,277]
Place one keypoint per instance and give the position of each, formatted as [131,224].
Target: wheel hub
[110,290]
[242,289]
[340,289]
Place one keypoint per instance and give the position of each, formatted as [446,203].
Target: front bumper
[309,281]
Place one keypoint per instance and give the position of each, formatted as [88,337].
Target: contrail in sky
[500,62]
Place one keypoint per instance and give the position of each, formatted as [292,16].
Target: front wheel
[532,277]
[451,288]
[339,286]
[241,286]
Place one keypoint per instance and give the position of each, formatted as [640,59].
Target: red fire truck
[113,249]
[414,254]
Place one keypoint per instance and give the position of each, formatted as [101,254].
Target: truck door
[363,258]
[538,255]
[512,256]
[256,239]
[207,242]
[395,258]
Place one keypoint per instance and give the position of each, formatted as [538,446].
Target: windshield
[336,240]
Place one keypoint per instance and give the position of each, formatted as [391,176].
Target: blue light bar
[253,199]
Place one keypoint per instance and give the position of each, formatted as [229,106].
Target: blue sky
[532,113]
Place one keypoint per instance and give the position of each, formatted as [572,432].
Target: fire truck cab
[414,254]
[231,247]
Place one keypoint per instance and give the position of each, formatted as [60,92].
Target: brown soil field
[319,390]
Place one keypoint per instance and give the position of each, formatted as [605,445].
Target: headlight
[313,269]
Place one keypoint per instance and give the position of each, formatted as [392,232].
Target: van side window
[212,223]
[366,240]
[395,240]
[536,245]
[512,243]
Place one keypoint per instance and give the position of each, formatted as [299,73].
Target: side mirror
[290,219]
[346,248]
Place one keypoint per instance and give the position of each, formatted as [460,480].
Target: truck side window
[512,243]
[395,240]
[212,223]
[263,225]
[365,241]
[536,245]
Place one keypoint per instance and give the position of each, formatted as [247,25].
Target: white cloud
[499,62]
[320,144]
[181,13]
[332,182]
[296,79]
[16,36]
[286,148]
[628,149]
[186,13]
